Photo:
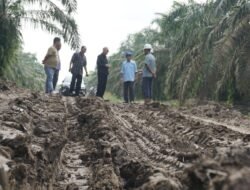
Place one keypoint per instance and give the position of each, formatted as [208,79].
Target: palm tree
[26,72]
[209,49]
[54,16]
[203,51]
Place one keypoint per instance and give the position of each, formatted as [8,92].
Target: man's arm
[70,66]
[86,71]
[136,70]
[150,70]
[101,62]
[85,67]
[147,65]
[46,58]
[71,62]
[49,54]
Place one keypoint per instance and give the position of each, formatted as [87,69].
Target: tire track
[73,174]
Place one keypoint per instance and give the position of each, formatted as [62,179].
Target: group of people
[52,66]
[129,72]
[78,64]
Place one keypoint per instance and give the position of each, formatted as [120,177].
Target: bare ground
[58,143]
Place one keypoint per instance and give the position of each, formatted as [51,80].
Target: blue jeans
[55,78]
[147,83]
[49,71]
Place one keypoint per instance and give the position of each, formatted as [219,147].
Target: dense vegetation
[202,51]
[54,16]
[26,71]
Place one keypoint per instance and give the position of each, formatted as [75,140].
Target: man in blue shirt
[128,71]
[149,73]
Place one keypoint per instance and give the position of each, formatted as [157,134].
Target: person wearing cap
[128,72]
[77,63]
[102,72]
[148,74]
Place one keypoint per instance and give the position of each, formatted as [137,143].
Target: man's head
[83,49]
[147,48]
[105,51]
[57,43]
[128,56]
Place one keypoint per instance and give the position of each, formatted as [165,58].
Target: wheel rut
[57,143]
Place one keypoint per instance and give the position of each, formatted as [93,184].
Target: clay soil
[59,143]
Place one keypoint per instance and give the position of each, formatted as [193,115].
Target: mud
[237,117]
[59,143]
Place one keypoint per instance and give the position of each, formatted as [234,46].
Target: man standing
[149,73]
[50,62]
[128,71]
[102,72]
[78,62]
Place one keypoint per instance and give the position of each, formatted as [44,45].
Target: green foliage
[112,98]
[27,72]
[91,80]
[202,51]
[54,16]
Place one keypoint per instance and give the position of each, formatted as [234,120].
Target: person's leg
[46,81]
[49,79]
[145,89]
[98,92]
[125,91]
[131,91]
[104,79]
[78,84]
[150,85]
[73,83]
[55,78]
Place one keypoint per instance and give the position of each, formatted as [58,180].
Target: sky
[101,23]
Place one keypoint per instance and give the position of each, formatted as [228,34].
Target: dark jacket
[101,64]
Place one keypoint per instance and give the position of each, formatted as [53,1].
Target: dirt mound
[31,139]
[85,143]
[231,115]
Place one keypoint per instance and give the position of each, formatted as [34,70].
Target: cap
[148,46]
[128,53]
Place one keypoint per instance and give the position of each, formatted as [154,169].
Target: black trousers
[55,78]
[128,91]
[76,83]
[102,83]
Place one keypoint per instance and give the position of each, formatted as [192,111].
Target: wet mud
[59,143]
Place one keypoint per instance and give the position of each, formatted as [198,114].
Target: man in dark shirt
[102,72]
[78,62]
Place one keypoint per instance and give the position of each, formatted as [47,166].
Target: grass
[115,99]
[172,103]
[112,98]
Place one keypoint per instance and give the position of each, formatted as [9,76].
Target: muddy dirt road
[58,143]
